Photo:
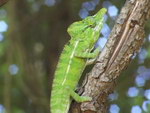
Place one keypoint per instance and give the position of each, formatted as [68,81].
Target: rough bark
[125,40]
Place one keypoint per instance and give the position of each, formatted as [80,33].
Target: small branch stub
[2,2]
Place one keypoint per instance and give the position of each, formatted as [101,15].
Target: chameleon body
[75,56]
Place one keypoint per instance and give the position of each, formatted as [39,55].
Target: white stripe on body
[70,61]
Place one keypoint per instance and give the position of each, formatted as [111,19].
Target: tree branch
[125,40]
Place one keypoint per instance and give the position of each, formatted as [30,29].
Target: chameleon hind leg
[79,98]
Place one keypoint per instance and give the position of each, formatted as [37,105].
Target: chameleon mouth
[99,17]
[100,14]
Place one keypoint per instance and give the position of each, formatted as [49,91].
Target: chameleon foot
[78,98]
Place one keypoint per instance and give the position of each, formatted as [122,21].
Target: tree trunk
[125,40]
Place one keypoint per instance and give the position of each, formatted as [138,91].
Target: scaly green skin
[75,56]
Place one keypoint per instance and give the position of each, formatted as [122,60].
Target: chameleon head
[96,23]
[99,18]
[89,27]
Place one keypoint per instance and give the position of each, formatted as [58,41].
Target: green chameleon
[73,60]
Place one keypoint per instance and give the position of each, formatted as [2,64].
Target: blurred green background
[32,36]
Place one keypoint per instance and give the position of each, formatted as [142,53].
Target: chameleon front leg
[79,98]
[92,56]
[86,55]
[90,61]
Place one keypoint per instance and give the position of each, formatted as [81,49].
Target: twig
[2,2]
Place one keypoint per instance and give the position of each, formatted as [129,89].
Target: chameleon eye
[90,21]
